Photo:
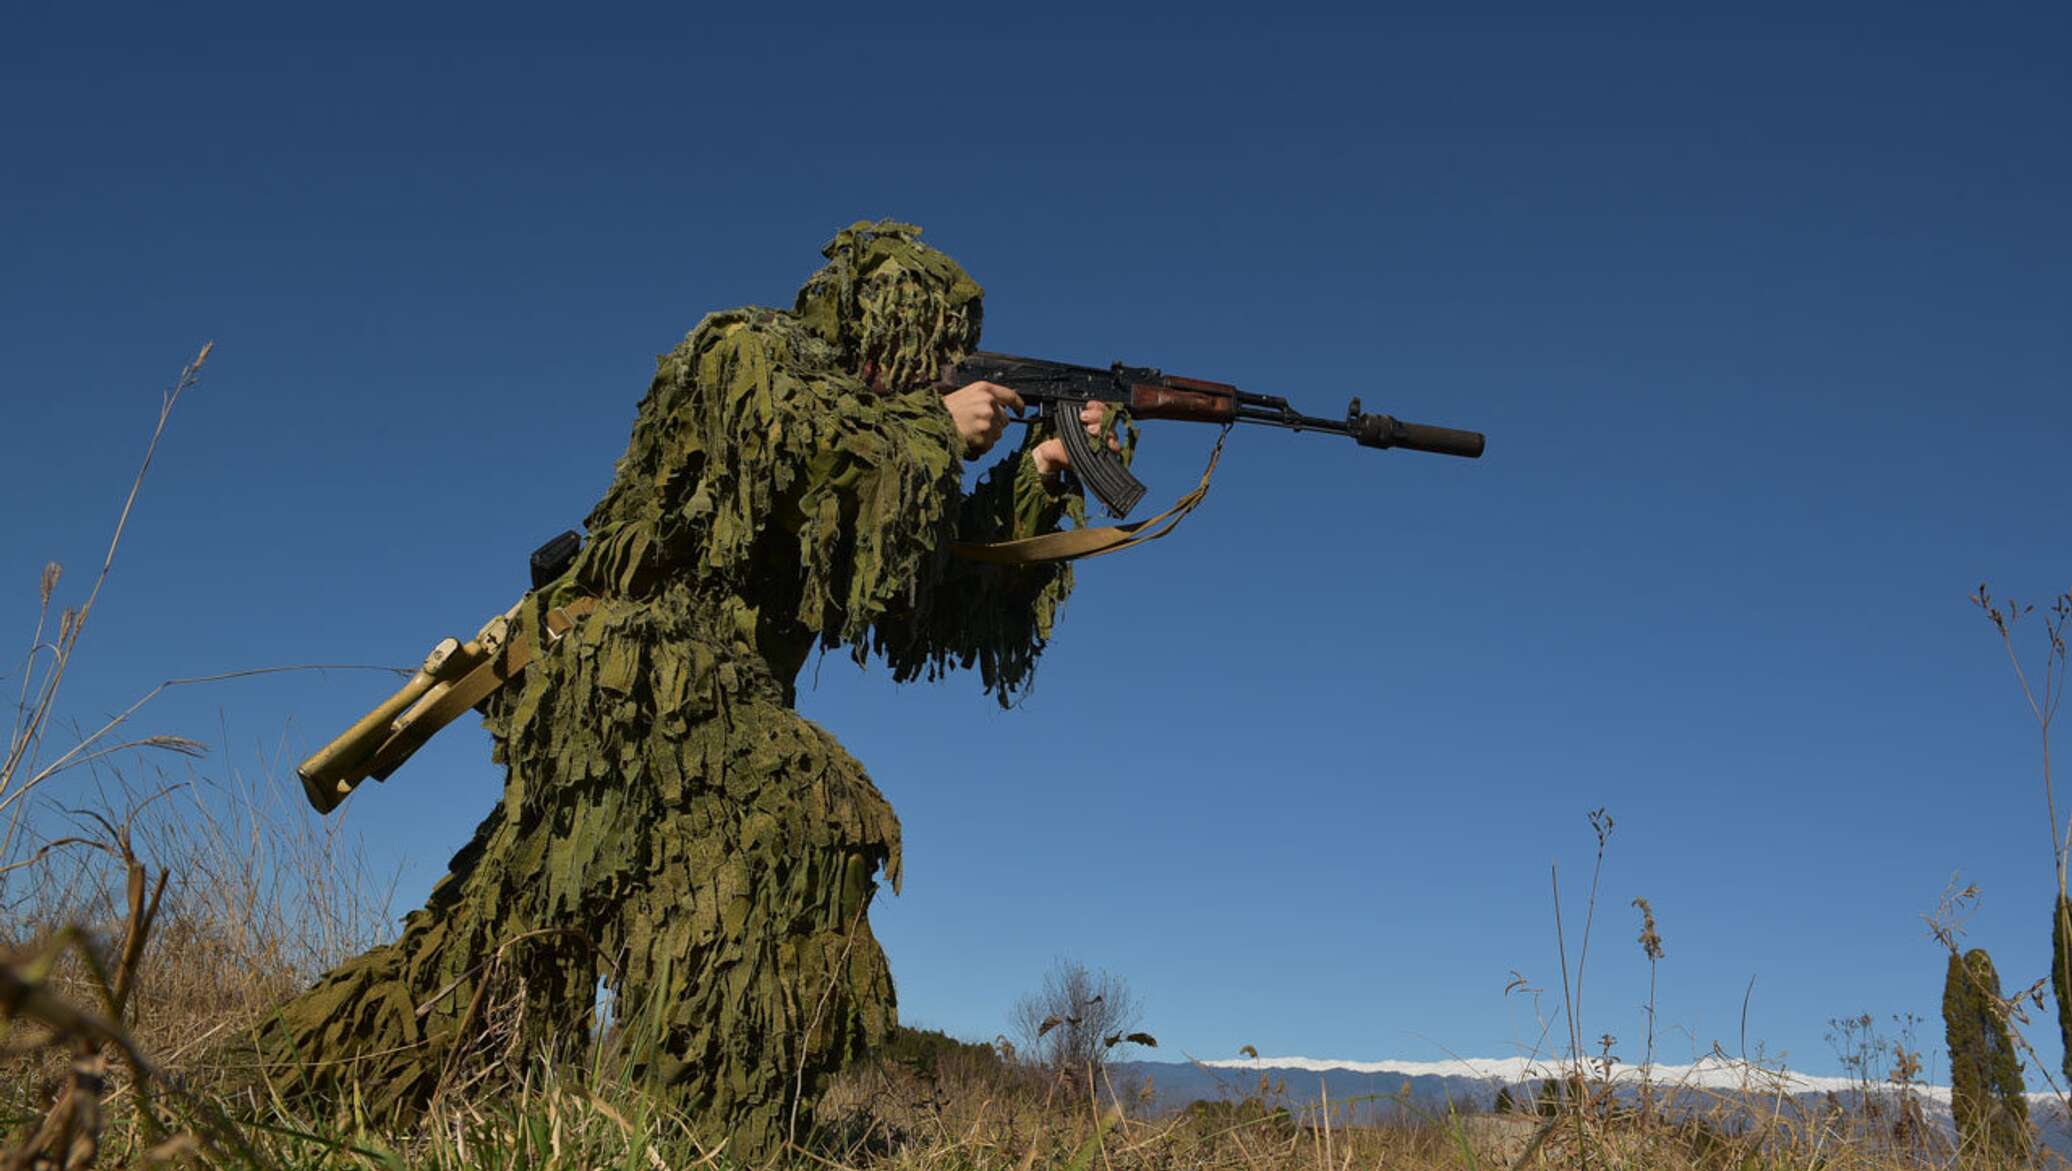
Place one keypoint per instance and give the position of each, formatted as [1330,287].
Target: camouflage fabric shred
[669,824]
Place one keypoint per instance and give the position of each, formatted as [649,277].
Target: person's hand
[1050,455]
[980,412]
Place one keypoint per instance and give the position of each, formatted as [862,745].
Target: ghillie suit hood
[895,309]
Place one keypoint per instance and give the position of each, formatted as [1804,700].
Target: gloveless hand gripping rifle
[1057,390]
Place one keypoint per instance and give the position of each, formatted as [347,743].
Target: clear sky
[1764,313]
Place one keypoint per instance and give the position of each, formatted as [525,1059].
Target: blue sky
[1762,311]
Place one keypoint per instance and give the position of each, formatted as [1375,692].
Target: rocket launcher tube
[451,666]
[322,773]
[331,773]
[455,676]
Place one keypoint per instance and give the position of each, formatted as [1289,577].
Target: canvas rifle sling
[472,688]
[1073,544]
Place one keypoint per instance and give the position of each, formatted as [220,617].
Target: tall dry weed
[143,920]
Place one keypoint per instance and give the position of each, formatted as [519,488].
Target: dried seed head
[179,744]
[49,584]
[1650,939]
[1601,825]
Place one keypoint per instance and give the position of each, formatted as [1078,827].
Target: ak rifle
[1055,392]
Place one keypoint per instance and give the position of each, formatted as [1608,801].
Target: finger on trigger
[1003,395]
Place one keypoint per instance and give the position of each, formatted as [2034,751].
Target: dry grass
[241,901]
[146,931]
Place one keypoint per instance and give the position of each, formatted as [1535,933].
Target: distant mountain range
[1382,1091]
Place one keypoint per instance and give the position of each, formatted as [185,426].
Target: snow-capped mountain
[1377,1091]
[1712,1073]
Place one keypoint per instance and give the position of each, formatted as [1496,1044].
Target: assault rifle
[1057,390]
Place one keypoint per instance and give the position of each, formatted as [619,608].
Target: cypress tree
[1961,1032]
[2061,973]
[1986,1098]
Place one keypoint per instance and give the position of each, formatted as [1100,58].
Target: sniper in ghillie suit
[670,826]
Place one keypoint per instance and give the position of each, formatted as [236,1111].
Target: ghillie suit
[669,824]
